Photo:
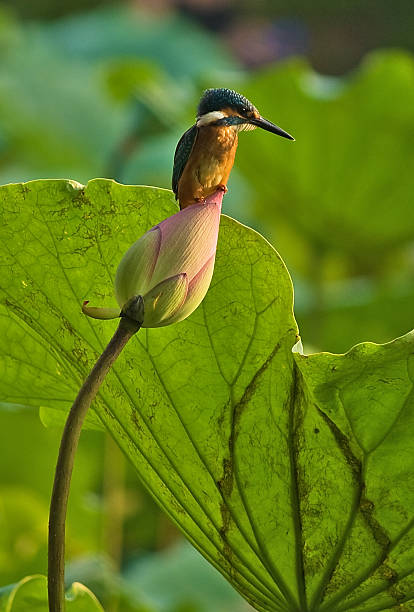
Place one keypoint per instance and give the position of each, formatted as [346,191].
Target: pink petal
[197,289]
[134,273]
[164,300]
[188,239]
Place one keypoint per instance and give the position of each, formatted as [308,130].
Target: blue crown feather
[215,99]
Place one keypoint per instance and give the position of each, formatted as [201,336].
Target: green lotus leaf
[292,475]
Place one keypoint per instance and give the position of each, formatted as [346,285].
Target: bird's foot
[216,197]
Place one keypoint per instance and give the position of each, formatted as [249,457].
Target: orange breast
[209,164]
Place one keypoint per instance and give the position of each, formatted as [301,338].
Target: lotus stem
[68,446]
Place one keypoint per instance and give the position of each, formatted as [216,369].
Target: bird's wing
[181,155]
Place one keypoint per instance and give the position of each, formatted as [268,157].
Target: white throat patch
[209,118]
[245,127]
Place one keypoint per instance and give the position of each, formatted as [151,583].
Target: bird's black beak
[270,127]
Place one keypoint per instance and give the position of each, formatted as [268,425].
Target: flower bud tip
[99,313]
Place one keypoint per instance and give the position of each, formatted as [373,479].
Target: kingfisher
[205,153]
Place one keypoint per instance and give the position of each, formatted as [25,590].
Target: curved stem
[69,443]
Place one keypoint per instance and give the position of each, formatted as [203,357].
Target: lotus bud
[170,266]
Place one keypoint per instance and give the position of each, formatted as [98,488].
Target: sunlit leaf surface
[358,440]
[292,475]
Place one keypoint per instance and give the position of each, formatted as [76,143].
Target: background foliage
[108,92]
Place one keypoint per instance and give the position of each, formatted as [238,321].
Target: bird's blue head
[218,99]
[226,107]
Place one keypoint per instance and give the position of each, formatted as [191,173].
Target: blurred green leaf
[31,594]
[284,476]
[62,84]
[80,598]
[184,50]
[52,417]
[346,184]
[25,493]
[355,311]
[51,123]
[125,78]
[23,528]
[179,577]
[104,579]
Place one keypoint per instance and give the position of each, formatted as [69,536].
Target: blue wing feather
[181,155]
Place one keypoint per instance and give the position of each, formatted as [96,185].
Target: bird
[205,153]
